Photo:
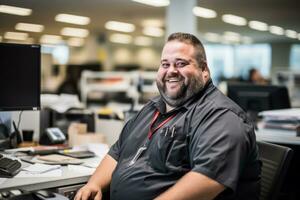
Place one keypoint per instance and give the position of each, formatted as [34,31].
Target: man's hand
[89,191]
[100,179]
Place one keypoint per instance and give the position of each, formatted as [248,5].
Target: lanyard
[151,130]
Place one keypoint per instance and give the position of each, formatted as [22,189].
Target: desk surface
[278,136]
[68,178]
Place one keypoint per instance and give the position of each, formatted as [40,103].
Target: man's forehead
[177,50]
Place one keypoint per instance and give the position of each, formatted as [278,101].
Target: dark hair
[194,41]
[252,71]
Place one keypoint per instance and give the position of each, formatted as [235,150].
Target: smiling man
[191,142]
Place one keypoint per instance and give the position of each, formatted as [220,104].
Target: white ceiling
[284,13]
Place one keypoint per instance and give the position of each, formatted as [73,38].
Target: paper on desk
[52,173]
[92,163]
[39,168]
[97,148]
[2,180]
[282,114]
[81,169]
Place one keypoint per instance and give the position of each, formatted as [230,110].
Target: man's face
[179,76]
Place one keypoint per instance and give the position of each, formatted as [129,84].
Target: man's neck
[169,108]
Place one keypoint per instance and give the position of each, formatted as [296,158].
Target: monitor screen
[20,67]
[258,98]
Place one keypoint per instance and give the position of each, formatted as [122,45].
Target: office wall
[280,56]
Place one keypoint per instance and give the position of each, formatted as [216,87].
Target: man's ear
[205,71]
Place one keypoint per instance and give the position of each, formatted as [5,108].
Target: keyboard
[9,167]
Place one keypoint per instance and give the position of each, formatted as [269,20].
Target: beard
[187,89]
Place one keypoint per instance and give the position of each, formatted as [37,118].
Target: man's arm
[100,180]
[193,185]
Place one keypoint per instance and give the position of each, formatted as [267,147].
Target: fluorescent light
[15,36]
[257,25]
[29,27]
[119,26]
[232,36]
[13,10]
[291,34]
[75,42]
[298,36]
[153,31]
[72,19]
[51,39]
[120,38]
[276,30]
[212,37]
[204,12]
[152,23]
[247,40]
[74,32]
[27,41]
[155,3]
[143,41]
[235,20]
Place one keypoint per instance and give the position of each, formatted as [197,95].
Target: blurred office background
[111,36]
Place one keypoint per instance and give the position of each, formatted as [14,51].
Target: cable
[19,120]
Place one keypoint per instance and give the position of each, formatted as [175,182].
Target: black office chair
[276,160]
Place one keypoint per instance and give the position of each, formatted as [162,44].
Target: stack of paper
[41,170]
[287,119]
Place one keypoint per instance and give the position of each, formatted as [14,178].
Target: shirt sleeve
[114,150]
[219,146]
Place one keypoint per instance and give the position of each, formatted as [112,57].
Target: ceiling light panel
[276,30]
[212,37]
[72,19]
[13,10]
[291,34]
[29,27]
[155,3]
[153,31]
[204,12]
[235,20]
[15,36]
[119,26]
[51,39]
[74,32]
[143,41]
[120,38]
[247,40]
[152,23]
[75,42]
[257,25]
[232,36]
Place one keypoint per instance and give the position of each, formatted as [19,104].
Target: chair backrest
[275,160]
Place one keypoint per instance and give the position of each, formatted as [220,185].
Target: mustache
[180,78]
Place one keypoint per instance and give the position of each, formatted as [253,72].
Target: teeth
[173,80]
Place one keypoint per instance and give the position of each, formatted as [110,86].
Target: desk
[68,178]
[278,136]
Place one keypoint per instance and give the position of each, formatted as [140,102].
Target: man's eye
[181,64]
[165,65]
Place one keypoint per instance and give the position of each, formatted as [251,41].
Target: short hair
[194,41]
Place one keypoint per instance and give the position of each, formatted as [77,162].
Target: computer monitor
[20,69]
[256,98]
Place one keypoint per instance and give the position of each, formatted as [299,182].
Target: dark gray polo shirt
[209,134]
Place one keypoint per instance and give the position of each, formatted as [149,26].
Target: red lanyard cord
[151,130]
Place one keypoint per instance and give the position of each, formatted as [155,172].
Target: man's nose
[172,69]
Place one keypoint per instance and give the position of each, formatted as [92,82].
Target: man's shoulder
[217,101]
